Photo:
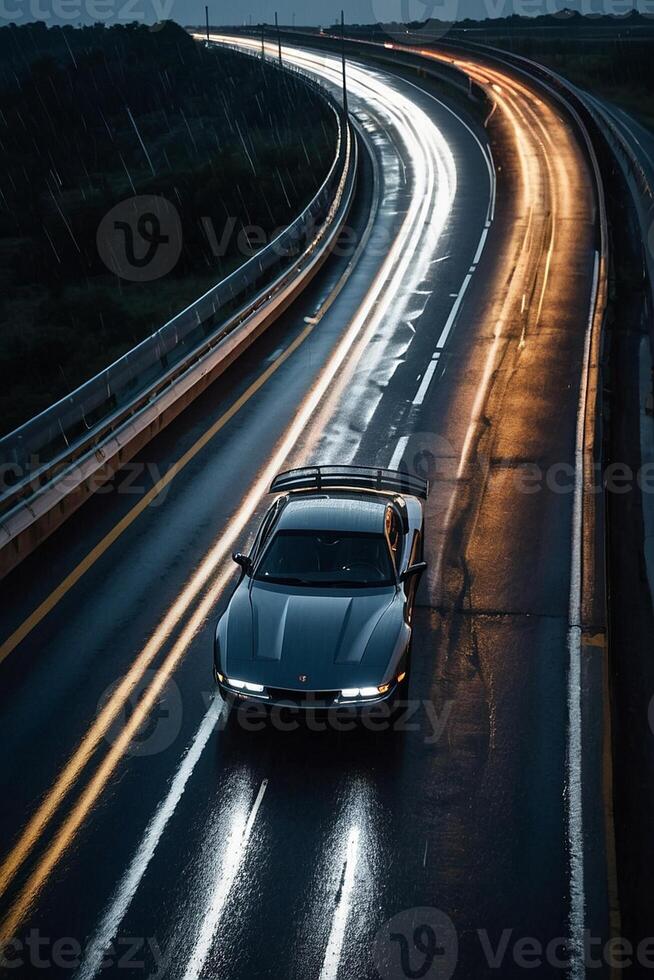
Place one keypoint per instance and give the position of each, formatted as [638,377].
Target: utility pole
[206,17]
[263,42]
[345,109]
[279,38]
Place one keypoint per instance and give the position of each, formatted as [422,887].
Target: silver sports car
[321,617]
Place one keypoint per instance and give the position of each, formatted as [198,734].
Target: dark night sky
[371,11]
[307,12]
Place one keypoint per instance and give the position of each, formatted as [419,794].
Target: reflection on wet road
[455,344]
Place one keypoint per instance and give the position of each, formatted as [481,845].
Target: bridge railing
[33,454]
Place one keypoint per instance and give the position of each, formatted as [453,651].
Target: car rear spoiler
[351,477]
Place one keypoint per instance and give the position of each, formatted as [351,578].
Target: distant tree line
[609,56]
[90,117]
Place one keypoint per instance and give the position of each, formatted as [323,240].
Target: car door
[411,585]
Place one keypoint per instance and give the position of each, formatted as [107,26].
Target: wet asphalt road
[195,848]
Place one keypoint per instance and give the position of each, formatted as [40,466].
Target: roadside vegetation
[90,117]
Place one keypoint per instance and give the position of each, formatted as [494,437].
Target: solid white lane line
[424,384]
[131,879]
[480,247]
[396,458]
[574,754]
[234,851]
[493,200]
[332,956]
[453,312]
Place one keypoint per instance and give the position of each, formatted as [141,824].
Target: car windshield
[326,558]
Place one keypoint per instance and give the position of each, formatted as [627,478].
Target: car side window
[265,529]
[394,534]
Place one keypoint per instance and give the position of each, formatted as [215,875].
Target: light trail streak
[424,143]
[434,179]
[535,124]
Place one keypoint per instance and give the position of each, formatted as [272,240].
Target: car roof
[359,512]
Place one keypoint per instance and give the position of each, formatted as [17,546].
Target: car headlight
[244,685]
[365,692]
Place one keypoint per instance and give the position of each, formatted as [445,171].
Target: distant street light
[206,17]
[279,38]
[345,109]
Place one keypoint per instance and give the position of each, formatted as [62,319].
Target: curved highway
[150,831]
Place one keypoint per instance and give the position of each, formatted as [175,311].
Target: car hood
[274,634]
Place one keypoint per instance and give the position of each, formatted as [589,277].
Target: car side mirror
[244,561]
[412,570]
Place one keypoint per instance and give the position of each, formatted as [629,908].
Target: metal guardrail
[32,455]
[637,176]
[635,163]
